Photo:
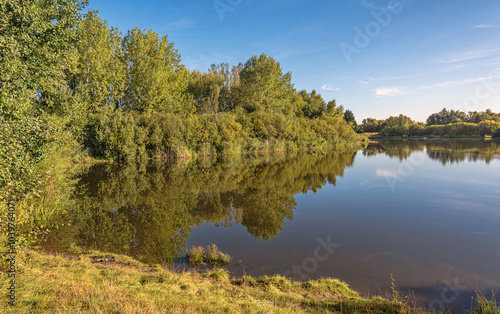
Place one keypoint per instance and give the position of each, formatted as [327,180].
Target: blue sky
[375,57]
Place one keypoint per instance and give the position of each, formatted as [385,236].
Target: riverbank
[98,282]
[377,136]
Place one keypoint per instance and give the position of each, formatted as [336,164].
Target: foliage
[157,80]
[210,255]
[264,87]
[313,106]
[349,118]
[444,123]
[455,116]
[34,38]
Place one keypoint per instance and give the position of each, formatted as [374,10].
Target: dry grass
[105,283]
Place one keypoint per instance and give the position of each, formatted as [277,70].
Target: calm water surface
[426,212]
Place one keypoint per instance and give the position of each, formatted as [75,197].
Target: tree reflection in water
[148,210]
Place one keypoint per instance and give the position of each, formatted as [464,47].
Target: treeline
[129,96]
[73,87]
[444,123]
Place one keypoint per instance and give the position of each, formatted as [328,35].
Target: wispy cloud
[372,5]
[388,91]
[181,24]
[455,83]
[364,82]
[468,55]
[330,87]
[392,78]
[435,39]
[486,26]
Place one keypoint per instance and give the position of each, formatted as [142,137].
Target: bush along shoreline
[133,135]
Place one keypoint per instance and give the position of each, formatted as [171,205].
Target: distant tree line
[444,123]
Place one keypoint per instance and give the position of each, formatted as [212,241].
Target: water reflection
[148,211]
[446,151]
[438,226]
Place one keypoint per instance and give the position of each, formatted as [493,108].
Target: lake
[427,212]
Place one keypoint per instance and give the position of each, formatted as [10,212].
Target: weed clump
[210,255]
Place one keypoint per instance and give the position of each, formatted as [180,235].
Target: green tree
[349,118]
[314,105]
[230,80]
[264,87]
[35,40]
[205,89]
[99,74]
[157,80]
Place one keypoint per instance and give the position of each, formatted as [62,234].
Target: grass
[210,255]
[103,283]
[486,305]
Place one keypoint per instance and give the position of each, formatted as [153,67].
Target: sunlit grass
[102,283]
[210,255]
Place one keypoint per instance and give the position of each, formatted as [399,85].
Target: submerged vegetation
[210,255]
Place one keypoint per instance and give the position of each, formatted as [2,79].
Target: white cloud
[388,91]
[486,26]
[364,82]
[330,87]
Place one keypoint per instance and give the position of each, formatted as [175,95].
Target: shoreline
[111,282]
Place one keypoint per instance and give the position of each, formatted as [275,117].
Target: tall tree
[35,40]
[314,105]
[231,79]
[205,88]
[264,87]
[157,80]
[349,117]
[99,75]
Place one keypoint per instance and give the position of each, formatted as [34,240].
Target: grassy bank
[112,283]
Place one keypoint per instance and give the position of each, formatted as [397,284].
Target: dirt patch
[105,260]
[329,295]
